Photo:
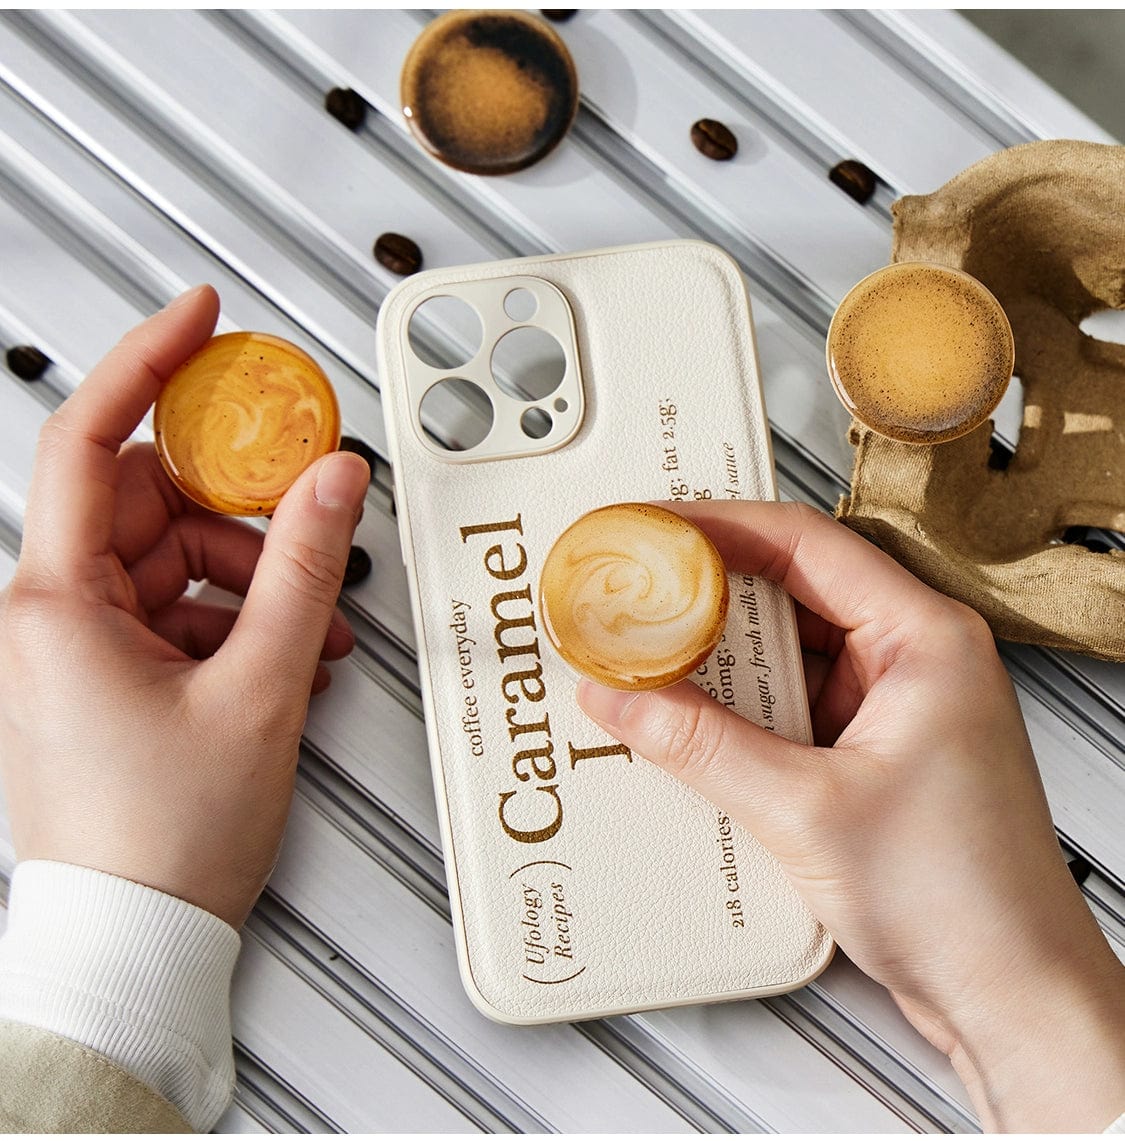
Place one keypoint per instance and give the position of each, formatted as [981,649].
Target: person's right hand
[145,733]
[917,830]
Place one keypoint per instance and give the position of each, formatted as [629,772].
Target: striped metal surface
[143,152]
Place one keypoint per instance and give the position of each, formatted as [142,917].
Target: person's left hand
[143,733]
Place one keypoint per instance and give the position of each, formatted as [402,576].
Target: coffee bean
[854,179]
[1079,868]
[361,448]
[346,105]
[400,255]
[999,454]
[28,362]
[714,139]
[358,567]
[559,15]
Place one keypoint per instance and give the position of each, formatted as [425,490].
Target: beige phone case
[584,881]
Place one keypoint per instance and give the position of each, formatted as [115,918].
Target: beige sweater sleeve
[128,973]
[49,1084]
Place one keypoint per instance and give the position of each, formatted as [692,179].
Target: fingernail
[342,481]
[184,298]
[605,705]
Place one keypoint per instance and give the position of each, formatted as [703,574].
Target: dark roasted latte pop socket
[920,353]
[489,92]
[633,596]
[241,419]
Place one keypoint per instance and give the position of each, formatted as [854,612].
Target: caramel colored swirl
[633,596]
[241,419]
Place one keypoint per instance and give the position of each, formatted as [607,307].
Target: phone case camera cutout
[495,364]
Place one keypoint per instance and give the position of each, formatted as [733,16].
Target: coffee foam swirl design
[241,419]
[634,596]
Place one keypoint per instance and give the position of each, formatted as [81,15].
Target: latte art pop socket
[241,419]
[633,596]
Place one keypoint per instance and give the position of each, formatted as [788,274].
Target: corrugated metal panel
[142,152]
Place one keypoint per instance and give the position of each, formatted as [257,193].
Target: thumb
[737,765]
[281,628]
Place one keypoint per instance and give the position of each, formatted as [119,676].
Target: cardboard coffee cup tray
[1040,226]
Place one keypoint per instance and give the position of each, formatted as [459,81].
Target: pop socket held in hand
[633,596]
[241,419]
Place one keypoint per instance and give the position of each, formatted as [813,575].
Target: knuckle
[974,632]
[805,513]
[27,600]
[63,428]
[972,624]
[263,709]
[53,432]
[802,518]
[960,627]
[312,571]
[687,741]
[35,621]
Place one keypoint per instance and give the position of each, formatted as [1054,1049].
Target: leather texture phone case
[584,881]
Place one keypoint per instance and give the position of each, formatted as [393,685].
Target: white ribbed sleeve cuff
[1117,1127]
[139,976]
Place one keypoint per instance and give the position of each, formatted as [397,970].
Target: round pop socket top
[920,353]
[633,596]
[240,420]
[489,92]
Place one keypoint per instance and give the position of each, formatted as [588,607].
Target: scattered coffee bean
[1079,868]
[346,105]
[400,255]
[351,444]
[358,567]
[714,139]
[559,15]
[28,362]
[854,179]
